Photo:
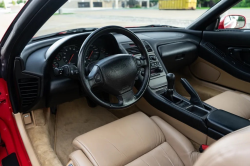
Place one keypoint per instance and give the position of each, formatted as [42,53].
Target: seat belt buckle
[203,147]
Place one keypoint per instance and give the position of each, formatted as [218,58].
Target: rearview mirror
[232,22]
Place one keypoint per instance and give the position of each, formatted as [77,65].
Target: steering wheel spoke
[126,98]
[140,62]
[95,77]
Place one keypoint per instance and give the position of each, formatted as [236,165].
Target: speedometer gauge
[92,54]
[67,55]
[70,54]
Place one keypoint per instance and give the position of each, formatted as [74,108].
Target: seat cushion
[161,155]
[233,102]
[136,140]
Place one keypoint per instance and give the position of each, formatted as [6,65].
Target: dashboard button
[58,71]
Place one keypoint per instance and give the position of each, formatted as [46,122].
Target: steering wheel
[115,74]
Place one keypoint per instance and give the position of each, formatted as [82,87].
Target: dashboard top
[45,49]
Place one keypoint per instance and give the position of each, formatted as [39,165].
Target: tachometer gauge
[58,57]
[104,52]
[92,54]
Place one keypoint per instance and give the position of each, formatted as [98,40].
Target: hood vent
[28,88]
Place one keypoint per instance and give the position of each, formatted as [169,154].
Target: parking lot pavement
[122,17]
[5,21]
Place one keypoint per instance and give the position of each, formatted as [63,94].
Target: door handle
[240,54]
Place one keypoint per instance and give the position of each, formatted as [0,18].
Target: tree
[243,3]
[2,4]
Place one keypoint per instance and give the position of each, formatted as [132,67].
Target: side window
[237,17]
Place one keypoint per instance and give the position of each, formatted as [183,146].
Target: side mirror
[232,22]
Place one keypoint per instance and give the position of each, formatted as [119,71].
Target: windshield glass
[98,13]
[132,13]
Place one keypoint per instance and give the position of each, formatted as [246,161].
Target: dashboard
[41,58]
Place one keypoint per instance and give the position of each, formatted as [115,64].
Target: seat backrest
[231,150]
[120,142]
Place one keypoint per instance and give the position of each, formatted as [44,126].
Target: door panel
[216,48]
[211,73]
[8,129]
[225,59]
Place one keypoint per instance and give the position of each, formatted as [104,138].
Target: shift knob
[170,79]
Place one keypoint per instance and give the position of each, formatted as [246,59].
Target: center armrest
[225,122]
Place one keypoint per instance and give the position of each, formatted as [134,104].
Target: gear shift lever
[170,90]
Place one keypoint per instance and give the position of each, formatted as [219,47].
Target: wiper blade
[157,25]
[66,32]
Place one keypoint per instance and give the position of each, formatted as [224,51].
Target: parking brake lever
[195,99]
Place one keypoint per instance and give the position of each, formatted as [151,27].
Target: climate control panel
[155,66]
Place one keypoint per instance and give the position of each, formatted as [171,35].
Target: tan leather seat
[233,102]
[231,150]
[135,140]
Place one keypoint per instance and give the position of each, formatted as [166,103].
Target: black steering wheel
[115,74]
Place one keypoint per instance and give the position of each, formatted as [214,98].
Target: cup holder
[197,110]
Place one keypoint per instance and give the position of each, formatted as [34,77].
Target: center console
[220,123]
[194,112]
[213,122]
[157,75]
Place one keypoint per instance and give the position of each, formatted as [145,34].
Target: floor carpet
[76,118]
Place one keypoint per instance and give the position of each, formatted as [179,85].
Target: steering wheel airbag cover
[119,73]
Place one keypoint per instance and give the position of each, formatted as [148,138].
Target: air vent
[133,50]
[149,49]
[215,50]
[28,88]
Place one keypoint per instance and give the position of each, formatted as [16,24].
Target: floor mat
[41,136]
[76,118]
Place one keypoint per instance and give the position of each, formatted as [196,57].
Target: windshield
[127,13]
[98,13]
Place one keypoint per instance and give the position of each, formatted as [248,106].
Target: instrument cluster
[69,55]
